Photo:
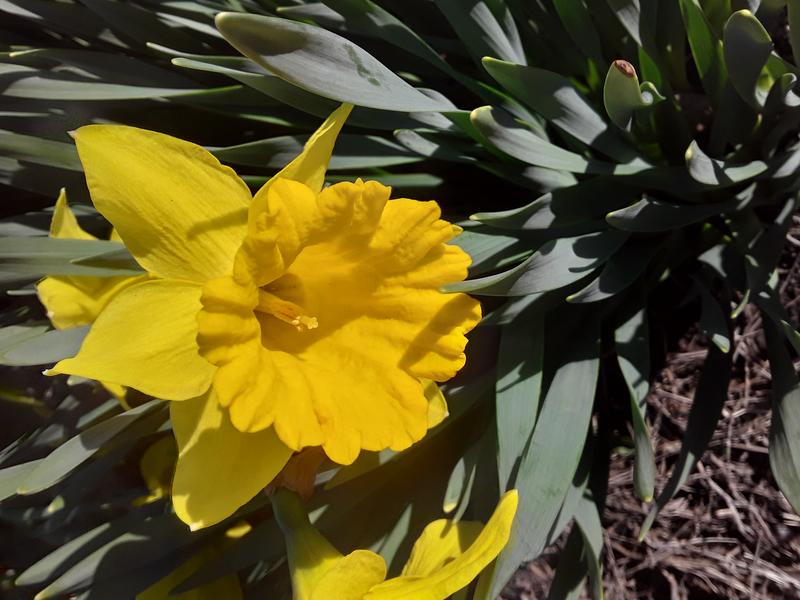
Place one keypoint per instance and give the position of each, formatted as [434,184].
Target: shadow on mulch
[729,532]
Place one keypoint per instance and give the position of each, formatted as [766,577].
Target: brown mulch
[729,532]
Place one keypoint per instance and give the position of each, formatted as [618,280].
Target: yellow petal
[309,554]
[219,468]
[458,572]
[287,220]
[312,163]
[64,225]
[331,352]
[437,405]
[351,577]
[179,211]
[145,339]
[224,588]
[441,542]
[78,300]
[75,301]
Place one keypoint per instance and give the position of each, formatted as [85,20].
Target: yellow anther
[286,311]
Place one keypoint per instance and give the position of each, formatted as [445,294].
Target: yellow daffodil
[299,317]
[444,559]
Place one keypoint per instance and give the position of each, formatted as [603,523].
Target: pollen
[286,311]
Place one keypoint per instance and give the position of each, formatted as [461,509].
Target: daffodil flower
[444,559]
[299,317]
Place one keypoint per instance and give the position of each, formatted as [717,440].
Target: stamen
[286,311]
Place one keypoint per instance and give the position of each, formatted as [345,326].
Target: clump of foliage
[625,165]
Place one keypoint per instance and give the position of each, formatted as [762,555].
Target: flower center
[286,311]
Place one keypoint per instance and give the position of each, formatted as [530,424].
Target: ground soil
[729,533]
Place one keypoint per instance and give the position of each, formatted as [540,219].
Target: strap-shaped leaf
[72,453]
[583,202]
[711,171]
[352,152]
[556,98]
[747,46]
[518,391]
[620,272]
[575,16]
[632,343]
[651,215]
[549,463]
[518,140]
[483,32]
[556,264]
[323,63]
[710,396]
[46,348]
[706,48]
[784,434]
[31,257]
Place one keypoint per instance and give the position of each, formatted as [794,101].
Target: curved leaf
[323,63]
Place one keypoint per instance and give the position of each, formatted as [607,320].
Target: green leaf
[622,94]
[74,452]
[518,391]
[12,335]
[549,463]
[518,140]
[571,571]
[574,14]
[706,48]
[91,76]
[747,46]
[45,349]
[122,560]
[352,152]
[489,249]
[710,171]
[620,272]
[581,203]
[31,257]
[587,519]
[784,434]
[139,25]
[556,264]
[713,318]
[323,63]
[709,398]
[632,343]
[481,31]
[462,478]
[11,477]
[67,555]
[38,150]
[629,14]
[430,146]
[651,215]
[556,98]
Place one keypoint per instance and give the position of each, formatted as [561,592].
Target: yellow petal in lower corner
[219,467]
[351,577]
[420,583]
[146,339]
